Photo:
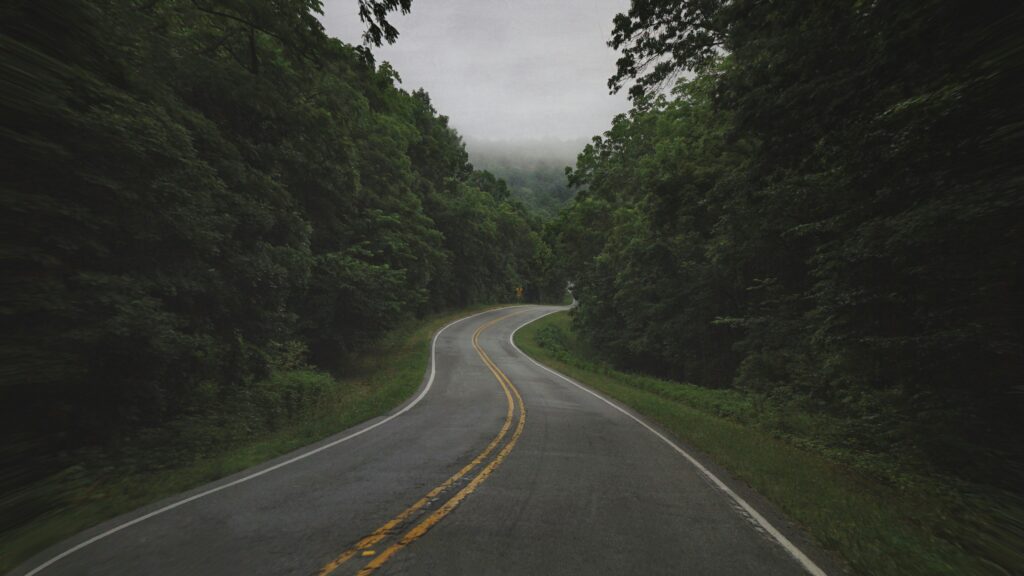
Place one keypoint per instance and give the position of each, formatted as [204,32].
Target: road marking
[420,529]
[304,455]
[760,520]
[388,527]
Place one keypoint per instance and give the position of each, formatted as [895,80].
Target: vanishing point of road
[496,465]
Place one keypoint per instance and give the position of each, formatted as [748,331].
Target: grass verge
[880,517]
[292,408]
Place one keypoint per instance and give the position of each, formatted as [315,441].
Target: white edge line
[409,406]
[798,554]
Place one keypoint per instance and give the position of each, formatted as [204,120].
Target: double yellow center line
[426,519]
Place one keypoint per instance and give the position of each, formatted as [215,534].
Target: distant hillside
[533,169]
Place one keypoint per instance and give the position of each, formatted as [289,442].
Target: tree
[374,14]
[196,183]
[828,211]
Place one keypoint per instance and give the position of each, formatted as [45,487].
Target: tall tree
[195,183]
[830,210]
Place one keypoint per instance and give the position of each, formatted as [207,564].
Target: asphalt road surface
[461,480]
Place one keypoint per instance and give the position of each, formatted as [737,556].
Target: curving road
[461,480]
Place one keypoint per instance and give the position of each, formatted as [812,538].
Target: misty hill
[533,169]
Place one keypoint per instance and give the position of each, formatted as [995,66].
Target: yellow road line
[388,527]
[420,529]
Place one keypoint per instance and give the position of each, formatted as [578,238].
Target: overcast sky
[504,69]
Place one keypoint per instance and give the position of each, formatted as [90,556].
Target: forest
[817,204]
[820,203]
[198,191]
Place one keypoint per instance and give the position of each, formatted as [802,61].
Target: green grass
[877,514]
[292,408]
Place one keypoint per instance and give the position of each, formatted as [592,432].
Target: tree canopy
[194,184]
[818,201]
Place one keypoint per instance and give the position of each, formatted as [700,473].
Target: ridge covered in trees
[534,170]
[196,189]
[825,208]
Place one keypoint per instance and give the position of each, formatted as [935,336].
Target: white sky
[504,69]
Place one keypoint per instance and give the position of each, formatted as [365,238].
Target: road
[461,480]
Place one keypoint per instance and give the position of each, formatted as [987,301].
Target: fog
[504,71]
[525,153]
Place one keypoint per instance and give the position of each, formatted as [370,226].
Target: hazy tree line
[829,211]
[193,188]
[533,170]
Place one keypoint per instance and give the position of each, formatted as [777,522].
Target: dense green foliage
[540,187]
[829,212]
[195,190]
